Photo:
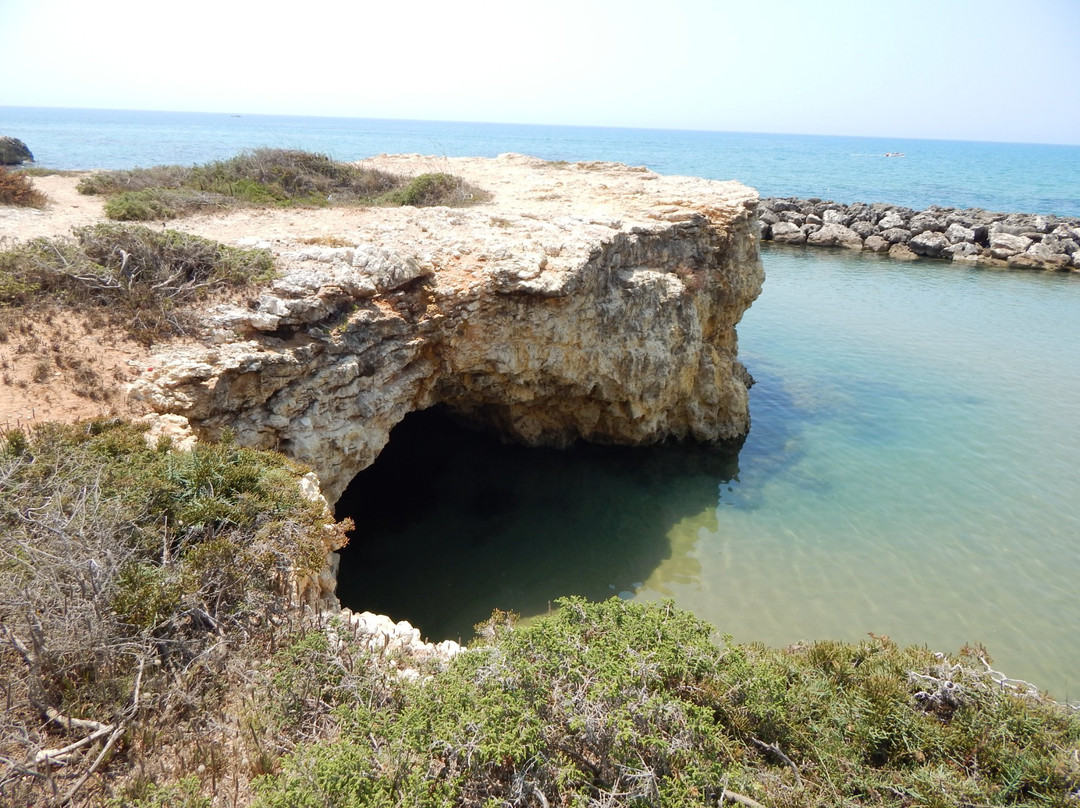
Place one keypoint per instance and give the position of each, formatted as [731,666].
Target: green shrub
[428,190]
[625,704]
[266,177]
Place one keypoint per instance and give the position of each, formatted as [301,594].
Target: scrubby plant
[439,188]
[126,570]
[266,177]
[623,704]
[141,277]
[17,189]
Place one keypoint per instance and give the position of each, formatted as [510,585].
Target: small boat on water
[894,154]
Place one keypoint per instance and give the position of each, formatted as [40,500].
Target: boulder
[961,251]
[896,235]
[864,228]
[795,217]
[876,244]
[788,233]
[928,243]
[834,216]
[1003,245]
[891,219]
[902,252]
[956,233]
[921,222]
[14,152]
[835,235]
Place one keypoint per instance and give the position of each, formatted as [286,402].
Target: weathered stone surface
[591,301]
[956,232]
[787,233]
[14,152]
[928,243]
[902,252]
[835,235]
[896,235]
[921,222]
[876,244]
[1003,245]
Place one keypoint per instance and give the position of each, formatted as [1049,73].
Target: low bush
[17,189]
[266,177]
[126,570]
[141,277]
[623,704]
[428,190]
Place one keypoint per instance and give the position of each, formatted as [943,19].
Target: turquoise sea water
[996,176]
[910,470]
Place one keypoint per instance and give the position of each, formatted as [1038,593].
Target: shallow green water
[913,469]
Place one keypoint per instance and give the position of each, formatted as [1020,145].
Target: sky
[1001,70]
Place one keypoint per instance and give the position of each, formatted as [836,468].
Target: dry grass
[17,189]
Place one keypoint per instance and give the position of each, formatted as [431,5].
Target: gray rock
[864,228]
[956,233]
[834,216]
[793,216]
[876,243]
[961,251]
[928,243]
[890,220]
[1056,244]
[1003,245]
[902,253]
[812,218]
[14,152]
[810,227]
[835,235]
[921,222]
[788,233]
[768,217]
[896,235]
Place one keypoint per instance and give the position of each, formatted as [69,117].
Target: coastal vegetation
[266,177]
[17,189]
[135,278]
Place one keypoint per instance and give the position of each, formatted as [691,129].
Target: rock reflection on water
[452,524]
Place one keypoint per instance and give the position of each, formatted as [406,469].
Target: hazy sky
[980,70]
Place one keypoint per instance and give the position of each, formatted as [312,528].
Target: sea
[912,465]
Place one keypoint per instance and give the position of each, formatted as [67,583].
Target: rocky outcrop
[969,235]
[14,152]
[585,301]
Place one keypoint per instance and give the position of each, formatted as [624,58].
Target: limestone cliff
[585,301]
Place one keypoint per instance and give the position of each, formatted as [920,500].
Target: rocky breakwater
[969,235]
[584,301]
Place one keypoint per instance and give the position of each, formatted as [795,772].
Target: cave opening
[452,523]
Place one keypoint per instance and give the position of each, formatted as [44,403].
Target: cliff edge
[583,301]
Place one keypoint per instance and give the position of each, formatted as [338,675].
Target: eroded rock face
[586,301]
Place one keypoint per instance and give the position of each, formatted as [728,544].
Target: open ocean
[1009,177]
[911,468]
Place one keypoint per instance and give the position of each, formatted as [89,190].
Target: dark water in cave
[452,523]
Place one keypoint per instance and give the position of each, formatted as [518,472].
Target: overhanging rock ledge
[589,301]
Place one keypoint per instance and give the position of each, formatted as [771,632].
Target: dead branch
[775,749]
